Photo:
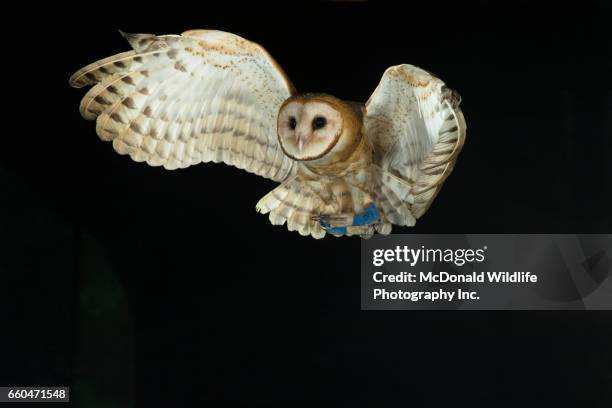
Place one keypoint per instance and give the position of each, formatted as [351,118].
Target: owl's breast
[347,193]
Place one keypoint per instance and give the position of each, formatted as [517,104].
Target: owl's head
[318,128]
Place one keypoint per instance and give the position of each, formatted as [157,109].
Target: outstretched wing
[417,130]
[178,100]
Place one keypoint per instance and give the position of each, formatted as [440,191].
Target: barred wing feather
[417,130]
[178,100]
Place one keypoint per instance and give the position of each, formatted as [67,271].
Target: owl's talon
[331,221]
[351,224]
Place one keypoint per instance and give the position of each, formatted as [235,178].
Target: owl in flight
[344,168]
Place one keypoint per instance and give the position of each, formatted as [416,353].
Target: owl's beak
[302,139]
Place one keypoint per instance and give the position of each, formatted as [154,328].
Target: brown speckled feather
[175,101]
[417,130]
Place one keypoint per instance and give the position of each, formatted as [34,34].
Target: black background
[207,303]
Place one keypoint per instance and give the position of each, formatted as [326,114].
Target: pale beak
[302,139]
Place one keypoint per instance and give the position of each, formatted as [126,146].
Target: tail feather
[294,203]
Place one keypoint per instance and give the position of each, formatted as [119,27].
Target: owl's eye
[292,123]
[319,122]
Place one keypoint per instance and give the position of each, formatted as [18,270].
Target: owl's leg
[364,231]
[334,220]
[350,224]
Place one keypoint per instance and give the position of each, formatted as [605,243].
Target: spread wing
[417,130]
[178,100]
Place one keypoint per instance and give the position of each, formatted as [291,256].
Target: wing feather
[417,130]
[175,101]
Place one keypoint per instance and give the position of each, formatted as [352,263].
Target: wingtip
[138,41]
[125,34]
[73,80]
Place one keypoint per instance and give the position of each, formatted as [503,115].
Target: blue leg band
[337,230]
[369,216]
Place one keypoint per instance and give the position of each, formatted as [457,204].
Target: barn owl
[344,168]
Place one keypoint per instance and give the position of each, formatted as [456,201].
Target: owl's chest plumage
[345,186]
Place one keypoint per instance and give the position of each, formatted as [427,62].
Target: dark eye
[292,123]
[318,122]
